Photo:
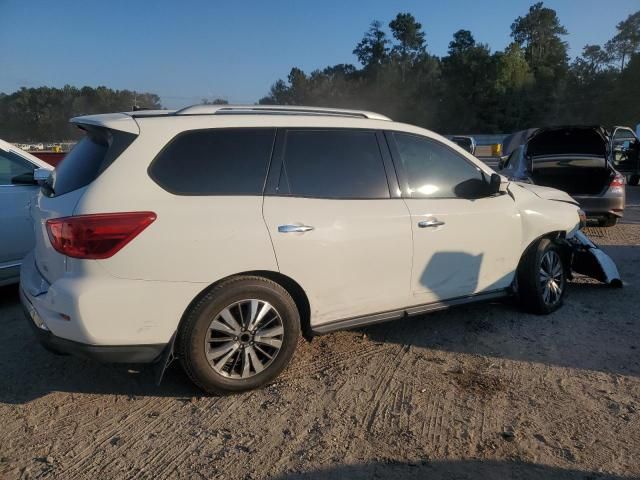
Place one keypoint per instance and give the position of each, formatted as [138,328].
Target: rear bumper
[604,206]
[102,317]
[101,353]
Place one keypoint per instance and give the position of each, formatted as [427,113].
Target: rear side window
[333,164]
[215,162]
[87,160]
[435,171]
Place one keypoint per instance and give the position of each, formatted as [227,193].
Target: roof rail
[276,110]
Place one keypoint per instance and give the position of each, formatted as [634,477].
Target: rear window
[215,162]
[87,160]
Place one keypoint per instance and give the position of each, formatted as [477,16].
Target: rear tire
[239,336]
[608,222]
[542,278]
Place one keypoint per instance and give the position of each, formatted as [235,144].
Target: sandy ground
[482,391]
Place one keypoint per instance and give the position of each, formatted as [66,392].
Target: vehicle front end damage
[588,259]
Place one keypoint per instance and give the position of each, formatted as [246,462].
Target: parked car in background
[468,143]
[19,176]
[577,160]
[222,232]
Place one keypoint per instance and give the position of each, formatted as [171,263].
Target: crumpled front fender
[588,259]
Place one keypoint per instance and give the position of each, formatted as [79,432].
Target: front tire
[239,336]
[542,277]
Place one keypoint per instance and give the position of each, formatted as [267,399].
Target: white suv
[219,234]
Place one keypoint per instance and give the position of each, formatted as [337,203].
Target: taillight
[617,181]
[96,236]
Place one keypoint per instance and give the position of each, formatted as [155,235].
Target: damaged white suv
[218,235]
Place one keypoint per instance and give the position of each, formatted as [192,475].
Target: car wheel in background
[240,335]
[542,277]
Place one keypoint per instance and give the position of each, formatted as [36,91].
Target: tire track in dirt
[114,426]
[177,461]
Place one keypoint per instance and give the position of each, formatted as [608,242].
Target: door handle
[294,228]
[430,223]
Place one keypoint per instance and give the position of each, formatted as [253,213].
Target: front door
[465,242]
[16,229]
[335,228]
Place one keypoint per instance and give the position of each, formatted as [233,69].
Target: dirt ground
[482,391]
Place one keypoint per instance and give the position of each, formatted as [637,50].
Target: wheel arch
[556,235]
[290,285]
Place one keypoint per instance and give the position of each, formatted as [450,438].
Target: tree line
[43,113]
[530,83]
[471,89]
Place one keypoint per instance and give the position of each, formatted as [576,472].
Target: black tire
[531,289]
[608,222]
[634,180]
[234,293]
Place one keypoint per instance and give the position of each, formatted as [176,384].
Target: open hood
[548,193]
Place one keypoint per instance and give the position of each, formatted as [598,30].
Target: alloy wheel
[551,277]
[244,338]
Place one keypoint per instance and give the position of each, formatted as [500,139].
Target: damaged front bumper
[588,259]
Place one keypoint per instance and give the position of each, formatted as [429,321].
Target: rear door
[335,227]
[464,242]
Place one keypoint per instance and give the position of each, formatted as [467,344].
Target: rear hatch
[571,159]
[61,192]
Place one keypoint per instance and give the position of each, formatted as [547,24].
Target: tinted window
[87,160]
[12,165]
[215,162]
[435,171]
[333,164]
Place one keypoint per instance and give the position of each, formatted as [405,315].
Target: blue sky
[188,50]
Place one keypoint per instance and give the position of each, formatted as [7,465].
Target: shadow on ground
[449,470]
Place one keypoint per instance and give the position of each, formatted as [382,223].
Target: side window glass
[12,165]
[215,162]
[333,164]
[435,171]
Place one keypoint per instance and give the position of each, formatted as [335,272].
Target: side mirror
[497,184]
[40,175]
[502,162]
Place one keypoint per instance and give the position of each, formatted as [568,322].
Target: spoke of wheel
[256,321]
[257,347]
[253,311]
[220,363]
[246,365]
[217,325]
[257,364]
[266,336]
[546,294]
[270,332]
[217,352]
[543,277]
[227,316]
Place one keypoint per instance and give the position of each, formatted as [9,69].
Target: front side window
[333,164]
[12,165]
[230,161]
[435,171]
